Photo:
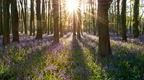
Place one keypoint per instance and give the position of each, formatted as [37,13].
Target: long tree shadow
[89,44]
[79,69]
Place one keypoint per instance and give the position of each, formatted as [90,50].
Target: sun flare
[71,5]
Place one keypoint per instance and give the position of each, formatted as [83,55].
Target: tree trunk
[43,17]
[61,25]
[6,31]
[136,19]
[118,15]
[94,18]
[56,20]
[38,10]
[32,17]
[104,39]
[130,26]
[25,16]
[123,16]
[48,27]
[74,25]
[15,21]
[79,21]
[79,25]
[1,23]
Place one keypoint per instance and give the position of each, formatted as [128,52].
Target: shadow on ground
[89,44]
[124,64]
[79,69]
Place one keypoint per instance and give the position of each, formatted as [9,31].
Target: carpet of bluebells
[71,59]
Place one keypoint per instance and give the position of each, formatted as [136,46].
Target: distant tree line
[38,17]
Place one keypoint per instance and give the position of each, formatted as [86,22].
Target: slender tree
[25,16]
[32,17]
[123,18]
[130,21]
[104,39]
[56,20]
[74,24]
[61,25]
[1,24]
[79,20]
[43,16]
[94,17]
[6,30]
[136,18]
[15,21]
[49,8]
[89,12]
[118,15]
[38,14]
[24,11]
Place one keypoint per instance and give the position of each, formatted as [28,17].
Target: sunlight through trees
[71,39]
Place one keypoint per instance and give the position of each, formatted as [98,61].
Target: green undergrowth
[80,63]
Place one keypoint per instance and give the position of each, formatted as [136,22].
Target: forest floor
[71,59]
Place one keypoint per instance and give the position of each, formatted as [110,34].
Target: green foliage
[79,63]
